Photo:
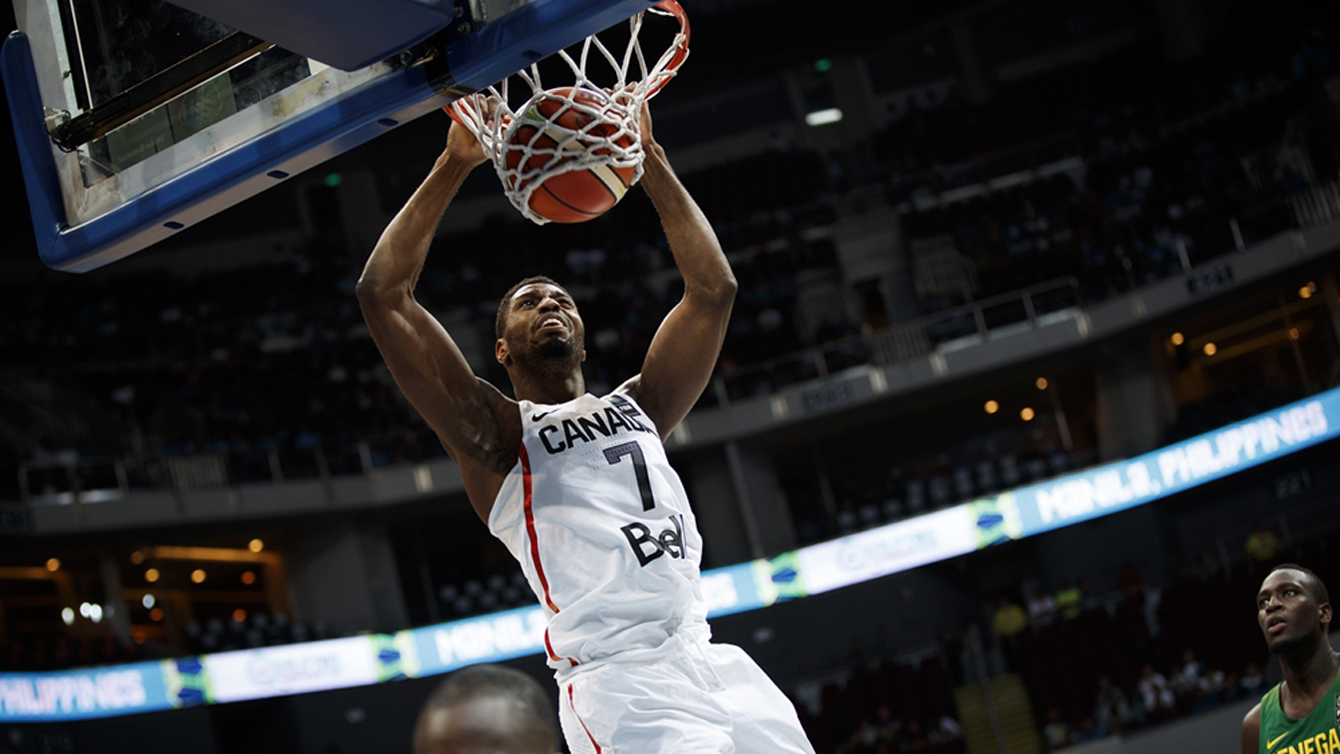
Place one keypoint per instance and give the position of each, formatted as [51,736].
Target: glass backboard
[135,120]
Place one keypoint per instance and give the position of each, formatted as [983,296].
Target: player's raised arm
[684,350]
[427,365]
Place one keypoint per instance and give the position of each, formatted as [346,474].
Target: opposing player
[487,708]
[1302,713]
[578,486]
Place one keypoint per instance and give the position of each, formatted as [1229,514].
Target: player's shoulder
[630,387]
[1250,732]
[1253,717]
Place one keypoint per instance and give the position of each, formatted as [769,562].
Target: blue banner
[83,694]
[1172,469]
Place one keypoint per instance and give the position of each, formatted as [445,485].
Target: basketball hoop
[584,127]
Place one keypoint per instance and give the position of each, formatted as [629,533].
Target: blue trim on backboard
[35,160]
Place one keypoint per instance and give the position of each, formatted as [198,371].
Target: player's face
[484,725]
[542,321]
[1287,611]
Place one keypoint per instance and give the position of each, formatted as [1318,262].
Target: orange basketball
[576,195]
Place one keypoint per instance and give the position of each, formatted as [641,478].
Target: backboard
[132,125]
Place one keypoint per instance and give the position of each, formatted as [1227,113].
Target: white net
[589,125]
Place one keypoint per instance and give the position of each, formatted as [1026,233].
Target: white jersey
[602,528]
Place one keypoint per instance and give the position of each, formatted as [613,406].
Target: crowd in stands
[259,629]
[882,703]
[59,652]
[1150,654]
[1157,187]
[191,365]
[868,492]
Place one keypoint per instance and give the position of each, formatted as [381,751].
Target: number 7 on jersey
[616,453]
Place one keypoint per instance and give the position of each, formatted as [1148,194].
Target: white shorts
[689,697]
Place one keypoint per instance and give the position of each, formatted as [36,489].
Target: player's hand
[462,144]
[645,124]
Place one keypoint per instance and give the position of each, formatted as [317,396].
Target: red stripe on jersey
[573,704]
[535,551]
[549,648]
[530,529]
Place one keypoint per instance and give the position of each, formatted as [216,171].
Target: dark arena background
[1033,374]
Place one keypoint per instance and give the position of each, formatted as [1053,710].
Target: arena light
[256,545]
[95,612]
[147,601]
[1211,349]
[991,407]
[67,616]
[53,564]
[1041,383]
[1178,339]
[823,117]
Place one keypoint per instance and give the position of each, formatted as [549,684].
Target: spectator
[1155,693]
[1057,732]
[1262,545]
[1112,711]
[1009,621]
[1041,607]
[1068,600]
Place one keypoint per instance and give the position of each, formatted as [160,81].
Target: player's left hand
[648,140]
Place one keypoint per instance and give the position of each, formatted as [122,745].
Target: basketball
[562,125]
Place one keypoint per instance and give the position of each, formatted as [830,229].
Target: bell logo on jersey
[648,548]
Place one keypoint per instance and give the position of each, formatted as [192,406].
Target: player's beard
[558,355]
[559,350]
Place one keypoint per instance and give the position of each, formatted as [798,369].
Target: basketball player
[487,709]
[578,486]
[1302,713]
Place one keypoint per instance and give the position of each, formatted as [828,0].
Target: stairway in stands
[1016,717]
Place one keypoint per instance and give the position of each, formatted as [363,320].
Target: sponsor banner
[1175,468]
[83,694]
[292,669]
[736,588]
[488,638]
[888,549]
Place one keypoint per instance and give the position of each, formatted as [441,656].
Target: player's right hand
[462,144]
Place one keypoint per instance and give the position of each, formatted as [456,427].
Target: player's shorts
[687,697]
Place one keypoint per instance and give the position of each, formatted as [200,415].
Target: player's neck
[548,388]
[1311,671]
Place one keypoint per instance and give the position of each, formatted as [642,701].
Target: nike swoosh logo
[537,417]
[1271,744]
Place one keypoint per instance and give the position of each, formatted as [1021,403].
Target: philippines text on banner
[83,694]
[1175,468]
